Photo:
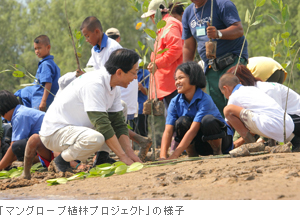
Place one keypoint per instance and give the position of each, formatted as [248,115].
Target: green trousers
[212,88]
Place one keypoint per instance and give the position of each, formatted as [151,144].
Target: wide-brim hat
[153,6]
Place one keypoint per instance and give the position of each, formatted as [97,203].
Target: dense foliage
[22,21]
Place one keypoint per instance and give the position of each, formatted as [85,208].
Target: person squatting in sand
[196,120]
[251,111]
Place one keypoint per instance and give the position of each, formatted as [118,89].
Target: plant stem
[70,31]
[249,25]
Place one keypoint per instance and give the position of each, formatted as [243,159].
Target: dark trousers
[18,148]
[141,125]
[211,128]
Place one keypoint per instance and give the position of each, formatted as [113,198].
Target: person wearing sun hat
[114,34]
[165,63]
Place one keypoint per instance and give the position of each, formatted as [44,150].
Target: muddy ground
[268,176]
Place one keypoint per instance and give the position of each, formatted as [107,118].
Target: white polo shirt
[97,60]
[89,92]
[279,93]
[268,115]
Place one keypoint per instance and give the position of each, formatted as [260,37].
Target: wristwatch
[219,35]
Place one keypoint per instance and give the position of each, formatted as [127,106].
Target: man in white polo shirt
[87,115]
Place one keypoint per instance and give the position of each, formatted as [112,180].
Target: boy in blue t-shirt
[47,75]
[26,123]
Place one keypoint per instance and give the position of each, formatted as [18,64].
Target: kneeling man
[86,117]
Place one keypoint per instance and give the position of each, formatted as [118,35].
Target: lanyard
[199,22]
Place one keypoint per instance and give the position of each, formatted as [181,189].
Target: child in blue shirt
[26,123]
[192,114]
[47,75]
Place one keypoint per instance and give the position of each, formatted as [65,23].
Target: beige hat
[112,31]
[153,6]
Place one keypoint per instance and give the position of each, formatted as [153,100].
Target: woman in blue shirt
[193,116]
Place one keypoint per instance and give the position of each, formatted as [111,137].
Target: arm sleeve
[172,113]
[229,14]
[174,43]
[101,123]
[186,31]
[46,74]
[118,123]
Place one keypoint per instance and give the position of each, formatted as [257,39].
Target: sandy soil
[268,176]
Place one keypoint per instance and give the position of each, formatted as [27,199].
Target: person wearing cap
[267,69]
[226,29]
[114,34]
[165,63]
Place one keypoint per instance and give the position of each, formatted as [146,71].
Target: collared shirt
[25,122]
[200,106]
[236,87]
[47,72]
[98,48]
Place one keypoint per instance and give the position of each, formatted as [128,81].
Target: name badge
[200,31]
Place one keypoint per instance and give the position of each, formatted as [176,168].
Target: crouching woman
[193,116]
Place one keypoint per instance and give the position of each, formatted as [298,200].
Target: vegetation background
[23,20]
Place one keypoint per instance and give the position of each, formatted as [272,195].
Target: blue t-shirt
[49,72]
[141,96]
[200,106]
[224,15]
[25,122]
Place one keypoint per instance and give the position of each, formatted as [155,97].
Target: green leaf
[15,174]
[134,8]
[161,24]
[258,20]
[158,16]
[247,17]
[144,59]
[129,127]
[135,167]
[166,30]
[78,35]
[150,32]
[288,27]
[20,68]
[79,55]
[146,51]
[79,175]
[260,3]
[18,74]
[141,64]
[140,44]
[285,35]
[298,66]
[162,51]
[4,174]
[280,5]
[137,51]
[274,18]
[81,41]
[285,13]
[277,55]
[104,165]
[275,4]
[120,170]
[118,163]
